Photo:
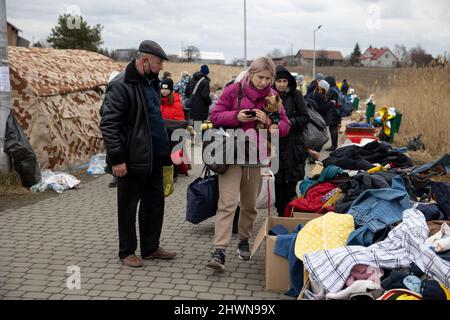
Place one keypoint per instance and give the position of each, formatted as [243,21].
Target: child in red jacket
[171,106]
[172,109]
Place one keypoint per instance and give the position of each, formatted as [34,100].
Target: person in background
[171,106]
[312,86]
[292,151]
[231,81]
[241,181]
[322,106]
[215,94]
[345,87]
[166,75]
[301,85]
[319,97]
[171,109]
[338,84]
[180,86]
[333,118]
[137,148]
[202,99]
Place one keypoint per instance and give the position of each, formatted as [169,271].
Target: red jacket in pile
[313,200]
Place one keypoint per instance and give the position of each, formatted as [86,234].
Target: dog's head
[272,103]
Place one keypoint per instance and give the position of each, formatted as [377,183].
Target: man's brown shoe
[132,261]
[160,253]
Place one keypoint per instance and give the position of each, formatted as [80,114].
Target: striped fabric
[403,246]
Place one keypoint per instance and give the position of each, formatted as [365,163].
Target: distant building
[285,61]
[323,57]
[383,58]
[204,58]
[173,58]
[212,57]
[14,40]
[125,54]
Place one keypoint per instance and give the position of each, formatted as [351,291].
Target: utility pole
[5,89]
[245,34]
[314,52]
[182,51]
[292,54]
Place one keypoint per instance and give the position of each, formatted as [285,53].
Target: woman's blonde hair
[258,65]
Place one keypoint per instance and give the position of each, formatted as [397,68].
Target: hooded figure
[201,100]
[292,151]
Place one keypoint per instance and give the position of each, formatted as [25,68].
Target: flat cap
[149,46]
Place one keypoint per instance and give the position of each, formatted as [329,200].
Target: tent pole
[5,88]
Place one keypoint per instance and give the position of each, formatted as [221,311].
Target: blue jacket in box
[376,209]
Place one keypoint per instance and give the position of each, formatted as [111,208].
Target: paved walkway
[39,242]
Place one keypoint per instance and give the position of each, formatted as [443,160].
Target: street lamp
[314,52]
[245,34]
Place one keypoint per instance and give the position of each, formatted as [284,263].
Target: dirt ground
[13,195]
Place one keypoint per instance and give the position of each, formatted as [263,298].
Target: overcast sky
[213,25]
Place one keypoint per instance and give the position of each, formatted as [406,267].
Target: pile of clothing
[409,258]
[399,245]
[354,157]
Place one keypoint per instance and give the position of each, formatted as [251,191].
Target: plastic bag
[97,165]
[263,197]
[20,150]
[168,180]
[58,182]
[42,186]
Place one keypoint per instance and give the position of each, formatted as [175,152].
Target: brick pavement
[39,242]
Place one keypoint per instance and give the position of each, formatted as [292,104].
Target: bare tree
[41,43]
[439,61]
[192,54]
[275,53]
[239,62]
[420,57]
[402,55]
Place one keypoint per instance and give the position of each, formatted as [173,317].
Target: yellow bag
[168,180]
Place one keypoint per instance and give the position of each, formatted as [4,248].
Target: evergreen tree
[356,54]
[72,32]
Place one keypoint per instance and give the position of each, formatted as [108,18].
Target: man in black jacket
[292,149]
[333,119]
[137,147]
[201,99]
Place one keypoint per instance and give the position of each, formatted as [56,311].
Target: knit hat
[324,85]
[319,76]
[282,73]
[204,69]
[167,84]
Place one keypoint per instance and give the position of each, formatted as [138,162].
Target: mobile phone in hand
[250,113]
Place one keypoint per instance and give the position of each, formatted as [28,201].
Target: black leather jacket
[125,124]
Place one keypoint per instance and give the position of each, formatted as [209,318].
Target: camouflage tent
[56,97]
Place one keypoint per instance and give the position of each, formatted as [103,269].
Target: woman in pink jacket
[238,179]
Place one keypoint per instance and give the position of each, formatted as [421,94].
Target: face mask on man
[150,75]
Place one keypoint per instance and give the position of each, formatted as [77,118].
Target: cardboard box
[317,170]
[276,267]
[305,216]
